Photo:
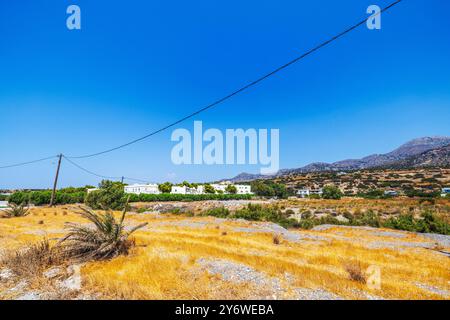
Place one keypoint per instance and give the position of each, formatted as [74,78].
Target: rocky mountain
[426,151]
[439,157]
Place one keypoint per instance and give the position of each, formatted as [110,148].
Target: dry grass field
[180,257]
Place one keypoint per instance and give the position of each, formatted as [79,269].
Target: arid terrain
[188,256]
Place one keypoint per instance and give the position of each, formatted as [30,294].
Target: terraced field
[181,257]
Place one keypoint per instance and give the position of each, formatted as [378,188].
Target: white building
[92,189]
[304,193]
[178,190]
[243,189]
[219,187]
[240,188]
[391,193]
[187,190]
[142,188]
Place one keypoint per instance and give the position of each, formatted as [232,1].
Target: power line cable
[27,162]
[251,84]
[100,175]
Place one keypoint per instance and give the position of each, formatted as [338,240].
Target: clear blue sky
[138,65]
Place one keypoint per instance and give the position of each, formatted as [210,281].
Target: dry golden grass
[163,265]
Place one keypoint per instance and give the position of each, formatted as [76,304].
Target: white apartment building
[178,190]
[187,190]
[241,189]
[303,193]
[142,188]
[219,187]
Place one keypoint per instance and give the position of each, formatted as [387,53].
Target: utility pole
[122,179]
[56,181]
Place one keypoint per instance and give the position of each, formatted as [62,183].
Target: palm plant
[16,210]
[106,239]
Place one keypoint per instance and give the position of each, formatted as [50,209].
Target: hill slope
[425,151]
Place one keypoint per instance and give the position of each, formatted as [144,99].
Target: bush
[355,271]
[332,192]
[16,210]
[428,223]
[231,189]
[109,196]
[268,188]
[39,198]
[217,212]
[209,189]
[165,187]
[33,259]
[106,240]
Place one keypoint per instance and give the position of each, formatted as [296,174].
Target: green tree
[332,192]
[165,187]
[109,196]
[185,183]
[231,189]
[209,189]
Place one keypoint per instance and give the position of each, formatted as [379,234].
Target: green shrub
[109,196]
[268,188]
[40,198]
[220,212]
[307,223]
[428,223]
[165,187]
[332,192]
[402,222]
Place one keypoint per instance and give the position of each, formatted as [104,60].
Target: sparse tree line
[111,194]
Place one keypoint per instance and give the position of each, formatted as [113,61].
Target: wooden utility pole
[52,200]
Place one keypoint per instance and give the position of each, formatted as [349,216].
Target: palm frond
[105,239]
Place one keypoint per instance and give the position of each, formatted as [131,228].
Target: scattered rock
[6,274]
[52,273]
[74,281]
[20,287]
[433,289]
[440,239]
[317,294]
[29,296]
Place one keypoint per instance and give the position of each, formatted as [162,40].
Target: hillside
[439,157]
[420,152]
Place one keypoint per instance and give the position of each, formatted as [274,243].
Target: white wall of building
[241,189]
[142,188]
[178,190]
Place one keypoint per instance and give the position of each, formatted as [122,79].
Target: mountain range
[420,152]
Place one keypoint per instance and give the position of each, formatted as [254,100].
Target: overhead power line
[215,103]
[27,162]
[249,85]
[100,175]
